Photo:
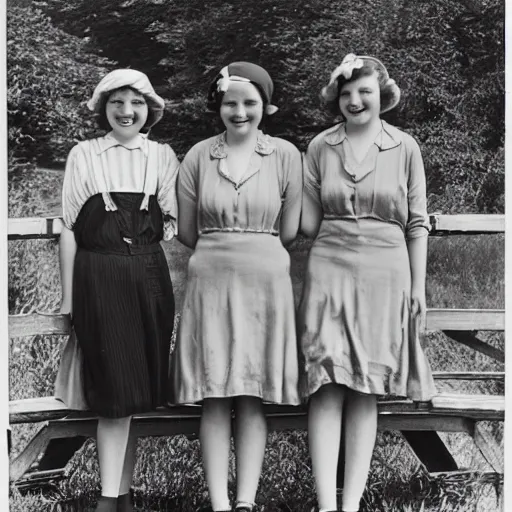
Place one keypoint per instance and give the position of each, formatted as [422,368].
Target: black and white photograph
[255,255]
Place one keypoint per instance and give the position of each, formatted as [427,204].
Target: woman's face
[359,101]
[127,113]
[241,109]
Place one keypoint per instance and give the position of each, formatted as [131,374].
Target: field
[463,272]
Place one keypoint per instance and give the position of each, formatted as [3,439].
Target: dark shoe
[106,504]
[125,503]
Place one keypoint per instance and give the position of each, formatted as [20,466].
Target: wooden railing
[65,430]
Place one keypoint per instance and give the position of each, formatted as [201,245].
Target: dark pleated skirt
[125,332]
[123,309]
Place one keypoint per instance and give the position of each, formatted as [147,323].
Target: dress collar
[109,141]
[387,138]
[264,145]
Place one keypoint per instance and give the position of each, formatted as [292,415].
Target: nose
[127,109]
[240,110]
[355,98]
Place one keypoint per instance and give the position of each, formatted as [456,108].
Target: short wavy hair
[389,91]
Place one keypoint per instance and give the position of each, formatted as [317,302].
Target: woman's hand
[419,308]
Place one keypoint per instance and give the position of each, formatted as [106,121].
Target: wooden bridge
[64,431]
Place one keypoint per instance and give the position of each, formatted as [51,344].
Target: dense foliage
[447,57]
[49,79]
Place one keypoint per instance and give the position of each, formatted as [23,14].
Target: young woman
[239,195]
[363,302]
[118,203]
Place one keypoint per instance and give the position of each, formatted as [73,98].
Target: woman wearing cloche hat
[363,302]
[239,195]
[118,203]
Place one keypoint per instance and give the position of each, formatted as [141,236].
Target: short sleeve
[187,183]
[418,224]
[312,182]
[166,191]
[76,188]
[293,186]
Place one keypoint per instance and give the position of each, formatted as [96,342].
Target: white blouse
[105,165]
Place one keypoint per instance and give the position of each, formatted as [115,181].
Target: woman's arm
[417,231]
[291,207]
[166,196]
[311,217]
[187,221]
[417,248]
[67,252]
[312,211]
[187,193]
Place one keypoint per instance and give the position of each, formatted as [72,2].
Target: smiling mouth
[356,112]
[125,121]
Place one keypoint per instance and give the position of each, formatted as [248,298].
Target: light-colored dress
[237,330]
[354,319]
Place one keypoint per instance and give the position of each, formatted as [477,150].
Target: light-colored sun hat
[128,78]
[346,68]
[242,72]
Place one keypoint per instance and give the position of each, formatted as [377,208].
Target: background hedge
[446,55]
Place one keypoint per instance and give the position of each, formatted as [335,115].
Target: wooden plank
[430,450]
[468,375]
[465,319]
[471,341]
[38,444]
[489,448]
[467,224]
[51,227]
[492,404]
[185,420]
[34,227]
[437,319]
[32,410]
[38,323]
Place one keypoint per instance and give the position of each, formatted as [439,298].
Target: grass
[463,272]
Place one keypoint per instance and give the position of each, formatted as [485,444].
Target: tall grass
[463,272]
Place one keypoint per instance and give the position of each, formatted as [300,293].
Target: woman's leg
[250,442]
[324,433]
[111,441]
[124,502]
[215,438]
[360,434]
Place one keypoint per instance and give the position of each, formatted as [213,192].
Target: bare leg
[250,442]
[215,437]
[324,433]
[360,434]
[111,441]
[124,502]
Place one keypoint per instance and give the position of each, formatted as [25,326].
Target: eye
[138,102]
[251,103]
[344,93]
[366,91]
[115,102]
[229,103]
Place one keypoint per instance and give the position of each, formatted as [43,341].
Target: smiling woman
[118,203]
[127,112]
[239,196]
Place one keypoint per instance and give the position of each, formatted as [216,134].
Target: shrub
[49,77]
[447,57]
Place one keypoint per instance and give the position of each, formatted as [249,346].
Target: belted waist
[205,231]
[130,249]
